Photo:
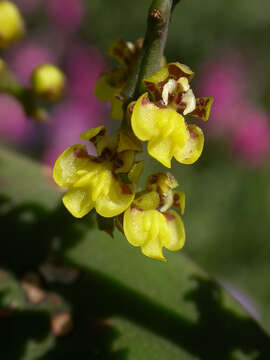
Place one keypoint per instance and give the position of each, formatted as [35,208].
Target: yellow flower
[161,121]
[111,82]
[149,222]
[93,181]
[11,23]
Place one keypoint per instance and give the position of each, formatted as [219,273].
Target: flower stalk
[152,52]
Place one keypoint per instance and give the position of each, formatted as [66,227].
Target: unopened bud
[11,23]
[48,82]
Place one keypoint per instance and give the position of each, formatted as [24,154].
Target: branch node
[156,14]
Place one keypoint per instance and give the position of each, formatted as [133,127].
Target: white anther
[184,84]
[190,101]
[130,45]
[168,89]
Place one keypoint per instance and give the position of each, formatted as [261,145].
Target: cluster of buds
[108,181]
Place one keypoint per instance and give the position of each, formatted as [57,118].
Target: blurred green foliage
[123,305]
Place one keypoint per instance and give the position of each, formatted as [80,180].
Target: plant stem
[155,40]
[151,55]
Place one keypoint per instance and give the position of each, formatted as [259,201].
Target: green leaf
[124,305]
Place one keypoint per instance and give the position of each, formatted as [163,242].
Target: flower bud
[48,82]
[11,23]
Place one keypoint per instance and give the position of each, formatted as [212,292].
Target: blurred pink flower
[225,80]
[25,58]
[67,14]
[14,125]
[68,121]
[84,65]
[251,139]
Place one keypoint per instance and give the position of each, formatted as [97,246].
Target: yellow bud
[48,82]
[11,23]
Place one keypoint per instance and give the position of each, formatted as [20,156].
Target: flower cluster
[108,181]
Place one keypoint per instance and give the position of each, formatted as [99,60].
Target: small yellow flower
[149,222]
[11,23]
[111,82]
[161,121]
[93,181]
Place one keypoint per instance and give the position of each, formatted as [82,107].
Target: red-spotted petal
[193,147]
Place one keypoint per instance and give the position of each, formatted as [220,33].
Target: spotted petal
[155,83]
[118,199]
[123,51]
[133,226]
[203,107]
[67,165]
[192,149]
[176,239]
[144,119]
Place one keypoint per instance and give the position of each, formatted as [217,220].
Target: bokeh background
[227,44]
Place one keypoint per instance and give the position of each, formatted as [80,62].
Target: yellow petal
[73,159]
[118,199]
[179,201]
[93,133]
[126,159]
[106,86]
[158,233]
[78,201]
[193,147]
[153,250]
[144,119]
[133,226]
[128,141]
[176,238]
[161,150]
[101,184]
[148,201]
[117,109]
[135,172]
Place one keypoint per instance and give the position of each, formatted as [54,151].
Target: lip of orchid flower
[150,223]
